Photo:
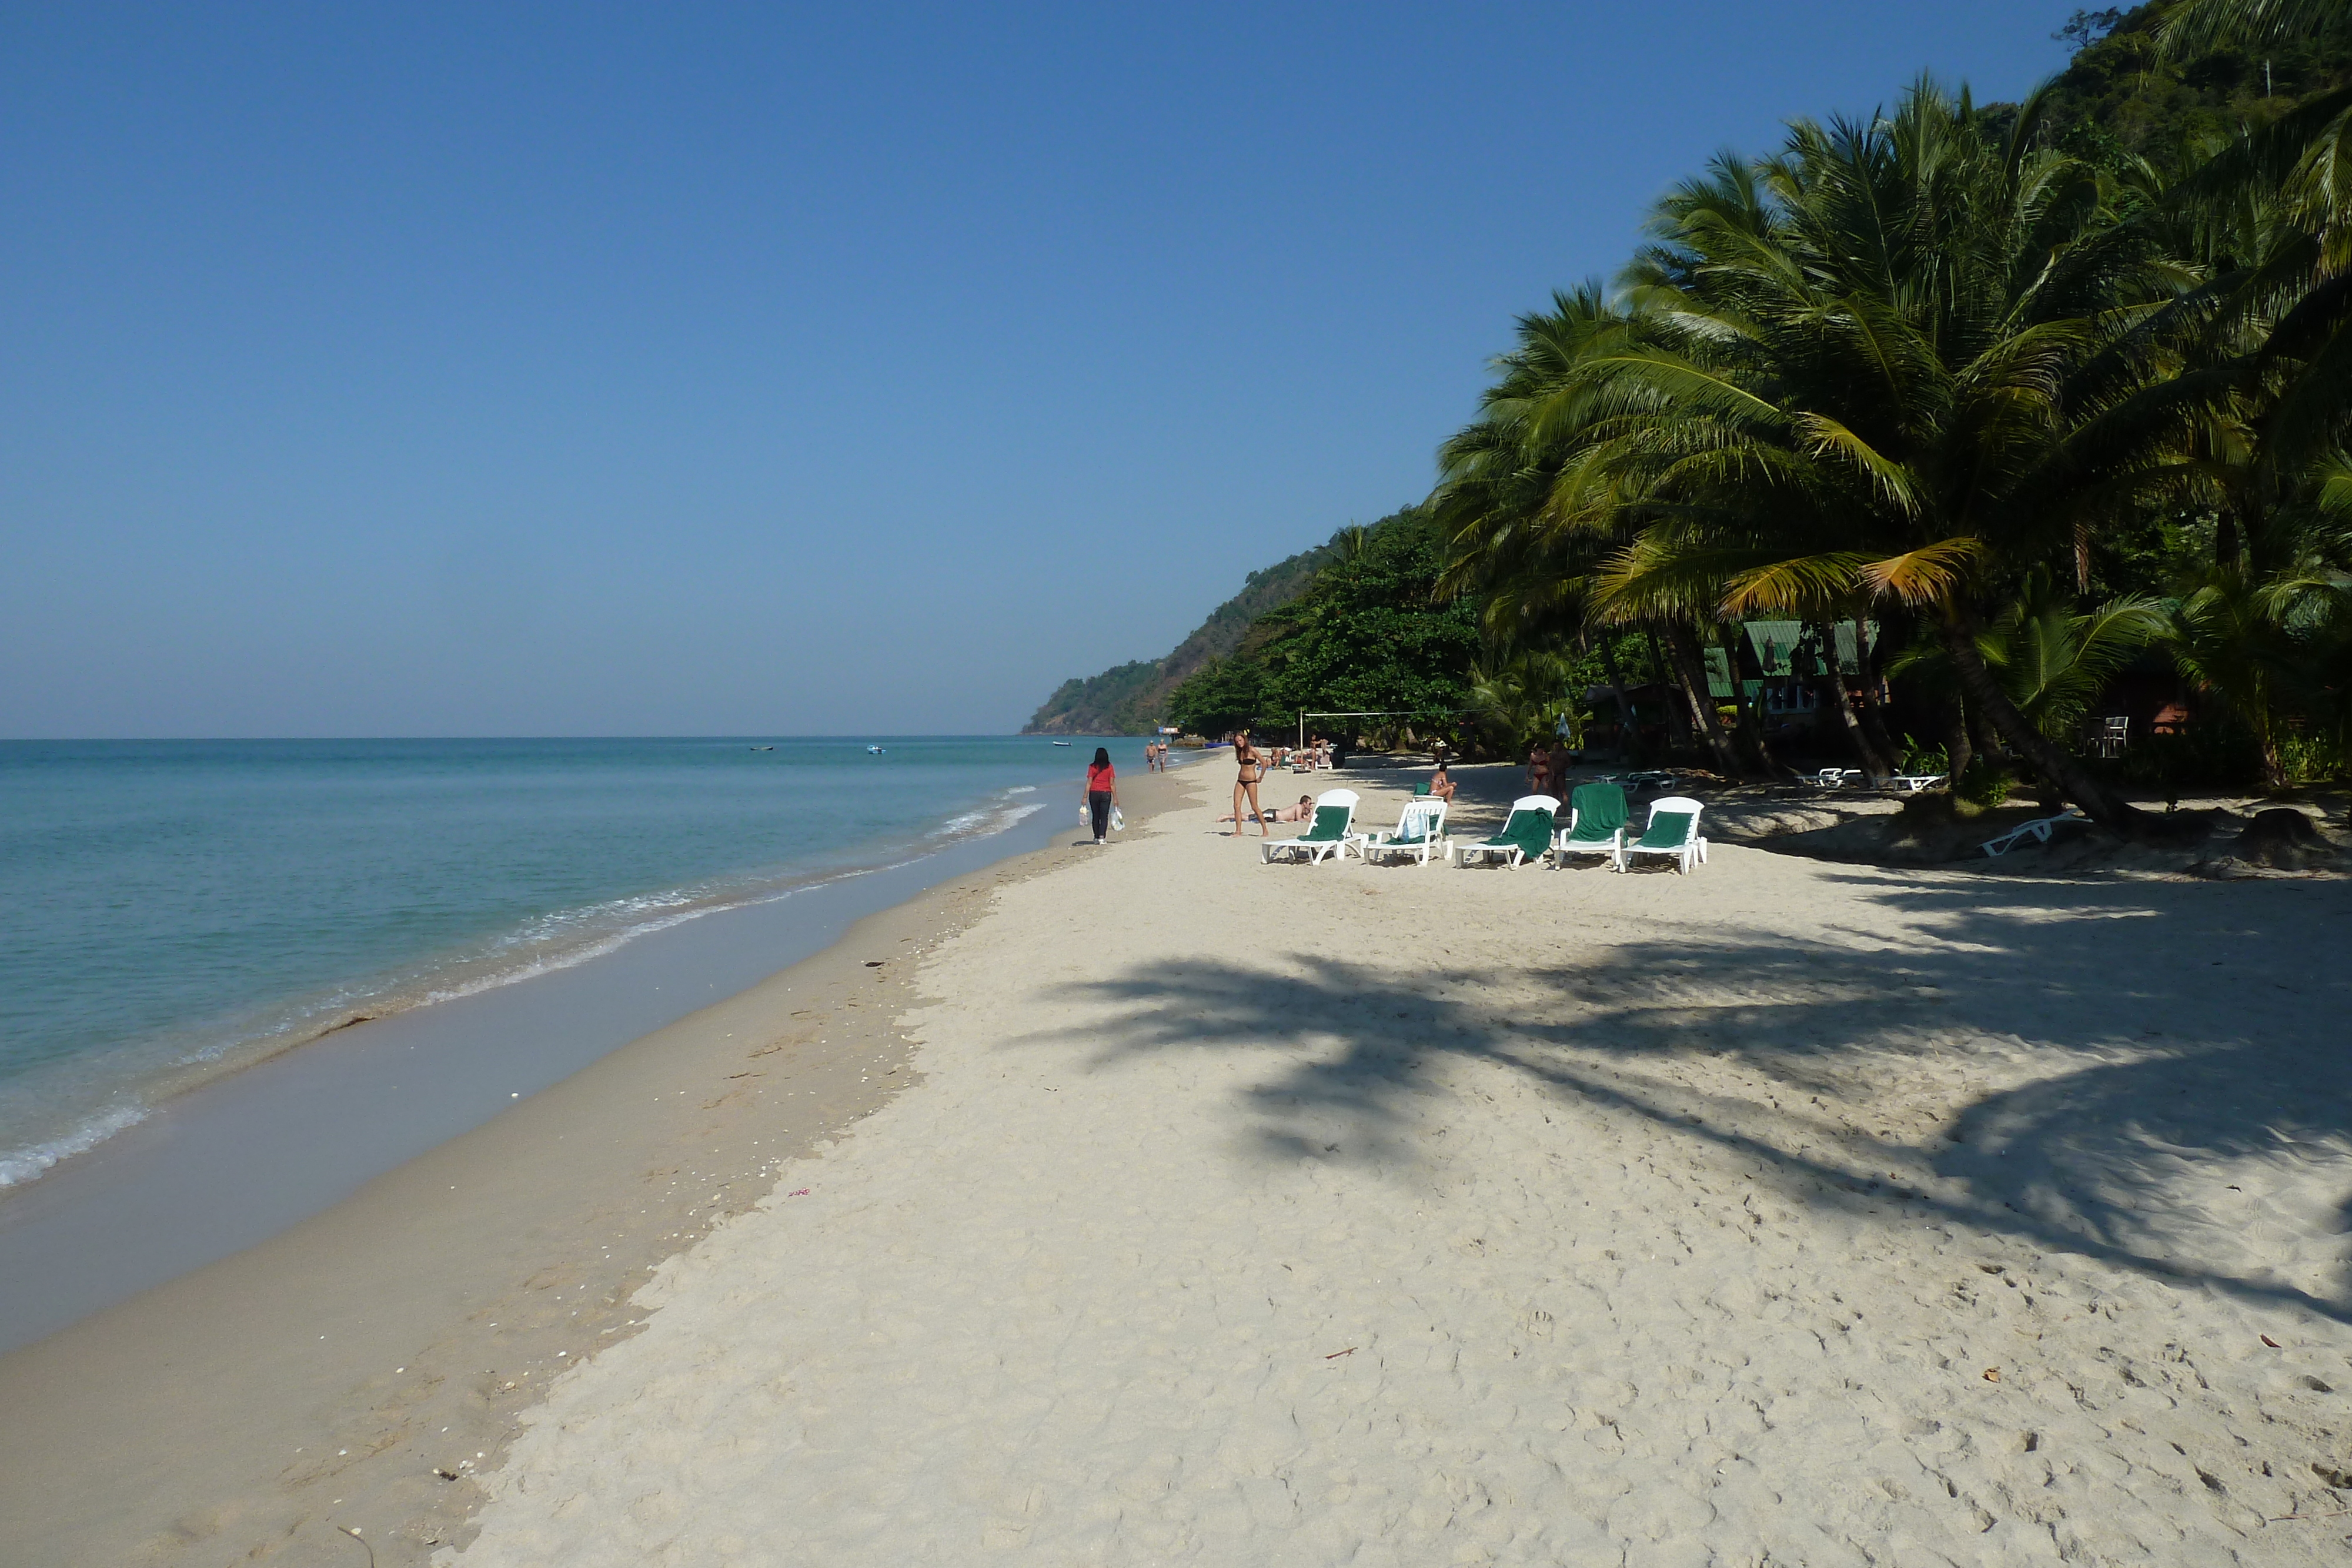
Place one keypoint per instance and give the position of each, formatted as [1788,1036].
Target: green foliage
[2126,95]
[1221,696]
[1985,783]
[1528,696]
[1368,633]
[2056,659]
[1135,699]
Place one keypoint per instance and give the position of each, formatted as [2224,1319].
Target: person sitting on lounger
[1441,785]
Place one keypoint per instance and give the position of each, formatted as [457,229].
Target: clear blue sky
[688,370]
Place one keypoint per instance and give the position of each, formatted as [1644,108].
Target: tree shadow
[2140,1102]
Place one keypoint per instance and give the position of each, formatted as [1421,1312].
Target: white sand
[1409,1217]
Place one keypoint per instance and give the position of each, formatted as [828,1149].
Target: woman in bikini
[1245,782]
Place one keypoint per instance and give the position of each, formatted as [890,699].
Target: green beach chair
[1525,837]
[1672,832]
[1328,834]
[1421,789]
[1596,815]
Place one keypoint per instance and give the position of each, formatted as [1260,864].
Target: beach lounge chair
[1525,837]
[1419,830]
[1918,783]
[1672,831]
[1596,825]
[2038,830]
[1422,787]
[1832,777]
[1328,834]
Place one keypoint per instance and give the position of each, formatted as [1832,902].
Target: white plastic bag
[1117,820]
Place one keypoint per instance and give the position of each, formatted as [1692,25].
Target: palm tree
[1519,537]
[2197,26]
[1904,359]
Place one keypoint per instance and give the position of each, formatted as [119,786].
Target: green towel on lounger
[1330,822]
[1600,812]
[1667,830]
[1530,830]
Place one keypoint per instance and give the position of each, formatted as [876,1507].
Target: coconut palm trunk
[1874,705]
[1842,699]
[1751,726]
[1958,752]
[1690,675]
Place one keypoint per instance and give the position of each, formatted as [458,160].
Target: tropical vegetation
[1953,414]
[1947,371]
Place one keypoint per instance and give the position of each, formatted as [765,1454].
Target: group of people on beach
[1252,763]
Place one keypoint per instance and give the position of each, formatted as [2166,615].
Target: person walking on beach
[1538,768]
[1246,783]
[1102,792]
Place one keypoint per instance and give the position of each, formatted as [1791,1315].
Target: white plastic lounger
[1918,783]
[1420,829]
[1524,838]
[1596,824]
[1335,818]
[1832,777]
[1672,832]
[2038,830]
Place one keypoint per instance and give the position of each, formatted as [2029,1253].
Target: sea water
[171,910]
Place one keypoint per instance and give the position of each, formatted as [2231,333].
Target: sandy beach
[362,1368]
[1787,1212]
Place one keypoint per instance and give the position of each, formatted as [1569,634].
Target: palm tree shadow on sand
[2120,1147]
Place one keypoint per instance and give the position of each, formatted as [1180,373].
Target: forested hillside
[1133,699]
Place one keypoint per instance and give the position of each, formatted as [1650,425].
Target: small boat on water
[1061,743]
[874,751]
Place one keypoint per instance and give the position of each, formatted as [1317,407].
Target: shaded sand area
[1790,1212]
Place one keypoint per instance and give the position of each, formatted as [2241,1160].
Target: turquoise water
[172,909]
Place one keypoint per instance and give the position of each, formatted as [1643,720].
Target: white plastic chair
[1520,843]
[2038,830]
[1334,819]
[1660,836]
[1420,828]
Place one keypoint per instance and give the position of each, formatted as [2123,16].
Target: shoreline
[244,1404]
[253,1036]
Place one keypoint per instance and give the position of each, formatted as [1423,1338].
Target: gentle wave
[19,1166]
[543,944]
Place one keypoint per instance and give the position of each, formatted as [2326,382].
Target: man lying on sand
[1298,813]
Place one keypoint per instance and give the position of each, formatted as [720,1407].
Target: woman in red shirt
[1102,791]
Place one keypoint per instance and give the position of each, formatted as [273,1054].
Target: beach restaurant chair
[1525,836]
[1335,818]
[2038,830]
[1672,831]
[1420,829]
[1596,823]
